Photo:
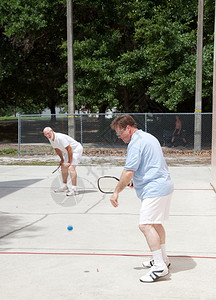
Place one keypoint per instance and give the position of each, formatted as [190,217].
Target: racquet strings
[107,184]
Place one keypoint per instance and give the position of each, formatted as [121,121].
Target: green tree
[169,36]
[134,54]
[137,56]
[32,68]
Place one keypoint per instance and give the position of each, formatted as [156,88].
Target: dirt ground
[43,153]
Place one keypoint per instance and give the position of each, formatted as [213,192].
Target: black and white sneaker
[154,274]
[150,263]
[62,188]
[72,193]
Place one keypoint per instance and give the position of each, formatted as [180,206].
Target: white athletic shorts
[155,210]
[76,156]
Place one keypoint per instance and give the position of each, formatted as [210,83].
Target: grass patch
[8,118]
[29,163]
[9,152]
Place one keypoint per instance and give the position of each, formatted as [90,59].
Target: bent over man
[70,153]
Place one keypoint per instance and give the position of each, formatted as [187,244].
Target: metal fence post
[213,160]
[19,134]
[197,131]
[81,129]
[146,126]
[198,93]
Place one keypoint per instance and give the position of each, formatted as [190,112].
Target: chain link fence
[93,130]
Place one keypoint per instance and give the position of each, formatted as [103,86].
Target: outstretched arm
[124,181]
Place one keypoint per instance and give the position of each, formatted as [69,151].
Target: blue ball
[70,227]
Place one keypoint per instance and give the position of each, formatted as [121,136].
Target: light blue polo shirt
[145,157]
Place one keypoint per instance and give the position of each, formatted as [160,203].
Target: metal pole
[198,95]
[213,157]
[71,106]
[81,129]
[146,116]
[19,134]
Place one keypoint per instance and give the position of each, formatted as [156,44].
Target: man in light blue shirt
[145,158]
[145,165]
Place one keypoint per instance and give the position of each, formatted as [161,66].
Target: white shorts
[155,210]
[76,156]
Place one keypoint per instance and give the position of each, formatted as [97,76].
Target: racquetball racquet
[106,184]
[56,169]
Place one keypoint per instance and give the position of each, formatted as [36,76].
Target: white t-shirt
[61,141]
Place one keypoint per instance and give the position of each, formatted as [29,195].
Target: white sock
[64,184]
[74,187]
[158,258]
[163,249]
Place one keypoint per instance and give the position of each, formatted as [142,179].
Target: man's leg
[159,268]
[64,171]
[64,187]
[162,236]
[154,242]
[161,232]
[72,169]
[151,235]
[73,175]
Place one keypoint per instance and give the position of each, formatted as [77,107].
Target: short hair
[123,121]
[47,129]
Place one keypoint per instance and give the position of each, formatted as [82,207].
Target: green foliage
[32,69]
[9,152]
[137,56]
[23,15]
[168,35]
[6,118]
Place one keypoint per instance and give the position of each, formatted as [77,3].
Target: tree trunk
[52,110]
[102,110]
[126,100]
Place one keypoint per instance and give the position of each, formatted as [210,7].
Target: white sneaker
[72,193]
[150,263]
[63,188]
[154,274]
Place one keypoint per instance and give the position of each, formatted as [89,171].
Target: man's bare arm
[70,154]
[59,153]
[125,180]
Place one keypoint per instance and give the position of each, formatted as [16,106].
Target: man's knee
[72,170]
[141,227]
[144,227]
[63,168]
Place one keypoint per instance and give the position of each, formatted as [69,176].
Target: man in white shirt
[70,153]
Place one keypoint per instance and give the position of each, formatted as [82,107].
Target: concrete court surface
[101,258]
